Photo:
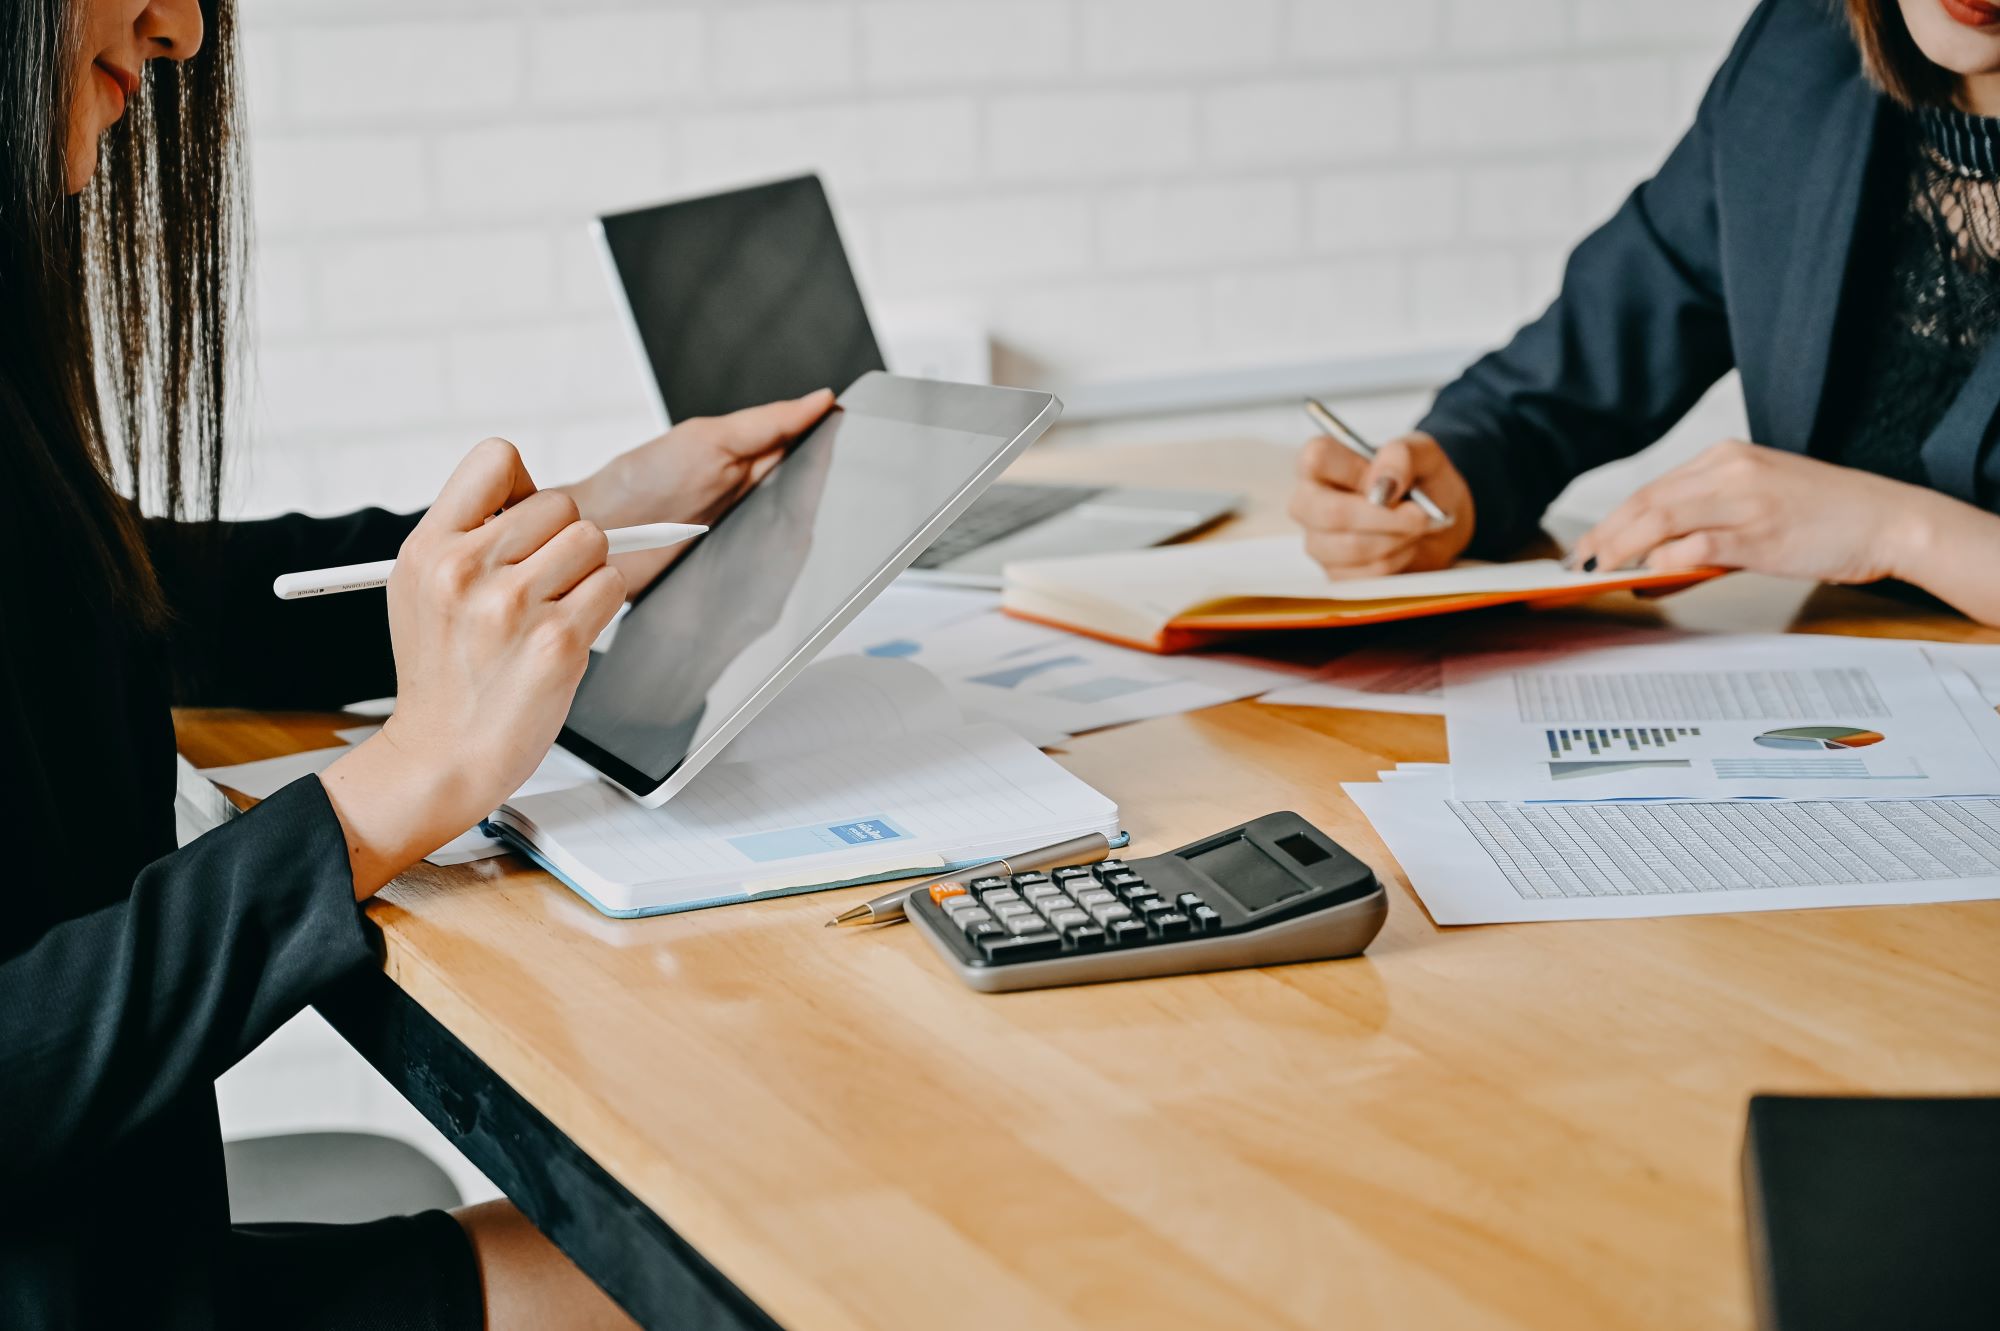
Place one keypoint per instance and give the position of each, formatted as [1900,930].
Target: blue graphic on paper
[794,843]
[1015,676]
[895,647]
[1102,690]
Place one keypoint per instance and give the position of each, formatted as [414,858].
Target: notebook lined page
[946,794]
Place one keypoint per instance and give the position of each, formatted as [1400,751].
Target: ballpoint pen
[1361,448]
[1078,850]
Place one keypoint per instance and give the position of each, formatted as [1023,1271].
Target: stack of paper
[1704,774]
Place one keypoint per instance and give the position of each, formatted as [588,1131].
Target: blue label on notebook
[792,843]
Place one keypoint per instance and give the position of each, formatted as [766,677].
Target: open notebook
[863,769]
[1180,596]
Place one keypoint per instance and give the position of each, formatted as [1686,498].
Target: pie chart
[1820,738]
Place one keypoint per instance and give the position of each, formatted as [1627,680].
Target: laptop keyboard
[1003,510]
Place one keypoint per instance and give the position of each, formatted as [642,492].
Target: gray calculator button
[1095,896]
[1125,931]
[1106,914]
[999,895]
[1073,871]
[1024,879]
[1015,910]
[1024,924]
[1063,919]
[1206,920]
[1037,891]
[1148,907]
[952,904]
[1172,924]
[965,919]
[1110,866]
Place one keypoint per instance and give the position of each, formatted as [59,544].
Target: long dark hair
[117,306]
[1892,58]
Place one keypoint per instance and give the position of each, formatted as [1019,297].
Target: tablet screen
[776,578]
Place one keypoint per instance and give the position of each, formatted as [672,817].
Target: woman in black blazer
[1830,227]
[132,974]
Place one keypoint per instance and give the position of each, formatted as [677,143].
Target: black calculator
[1274,890]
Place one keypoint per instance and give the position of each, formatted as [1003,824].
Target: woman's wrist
[394,806]
[1923,529]
[604,497]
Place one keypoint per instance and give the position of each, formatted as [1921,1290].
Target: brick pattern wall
[1112,187]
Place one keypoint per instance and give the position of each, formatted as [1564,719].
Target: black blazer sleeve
[112,1015]
[1636,336]
[233,643]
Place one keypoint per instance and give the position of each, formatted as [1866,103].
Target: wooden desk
[1520,1126]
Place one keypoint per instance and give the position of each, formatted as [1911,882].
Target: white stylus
[360,577]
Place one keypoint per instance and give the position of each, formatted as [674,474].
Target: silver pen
[1361,448]
[1077,850]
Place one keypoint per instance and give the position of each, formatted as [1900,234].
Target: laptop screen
[742,298]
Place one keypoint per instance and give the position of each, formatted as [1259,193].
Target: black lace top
[1927,313]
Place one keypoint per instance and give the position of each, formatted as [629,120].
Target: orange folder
[1178,597]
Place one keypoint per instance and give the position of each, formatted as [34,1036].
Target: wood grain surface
[1512,1126]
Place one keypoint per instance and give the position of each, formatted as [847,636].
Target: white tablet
[752,602]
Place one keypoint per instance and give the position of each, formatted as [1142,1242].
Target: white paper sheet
[267,776]
[1045,684]
[1488,862]
[1719,716]
[906,611]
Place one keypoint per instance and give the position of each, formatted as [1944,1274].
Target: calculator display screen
[1247,874]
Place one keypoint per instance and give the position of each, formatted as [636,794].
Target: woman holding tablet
[132,974]
[1830,227]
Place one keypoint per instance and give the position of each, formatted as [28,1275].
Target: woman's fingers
[1702,549]
[1390,474]
[564,561]
[1352,550]
[591,603]
[1337,552]
[1325,461]
[1326,508]
[490,478]
[528,525]
[757,430]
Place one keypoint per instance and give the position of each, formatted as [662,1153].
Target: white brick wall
[1113,187]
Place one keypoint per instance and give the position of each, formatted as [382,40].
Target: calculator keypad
[1107,906]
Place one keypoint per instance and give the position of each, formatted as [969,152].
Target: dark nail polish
[1590,564]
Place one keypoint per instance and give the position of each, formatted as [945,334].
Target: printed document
[1484,861]
[1716,717]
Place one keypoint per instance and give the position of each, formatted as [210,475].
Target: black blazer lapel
[1816,276]
[1952,450]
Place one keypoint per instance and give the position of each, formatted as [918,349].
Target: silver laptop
[748,297]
